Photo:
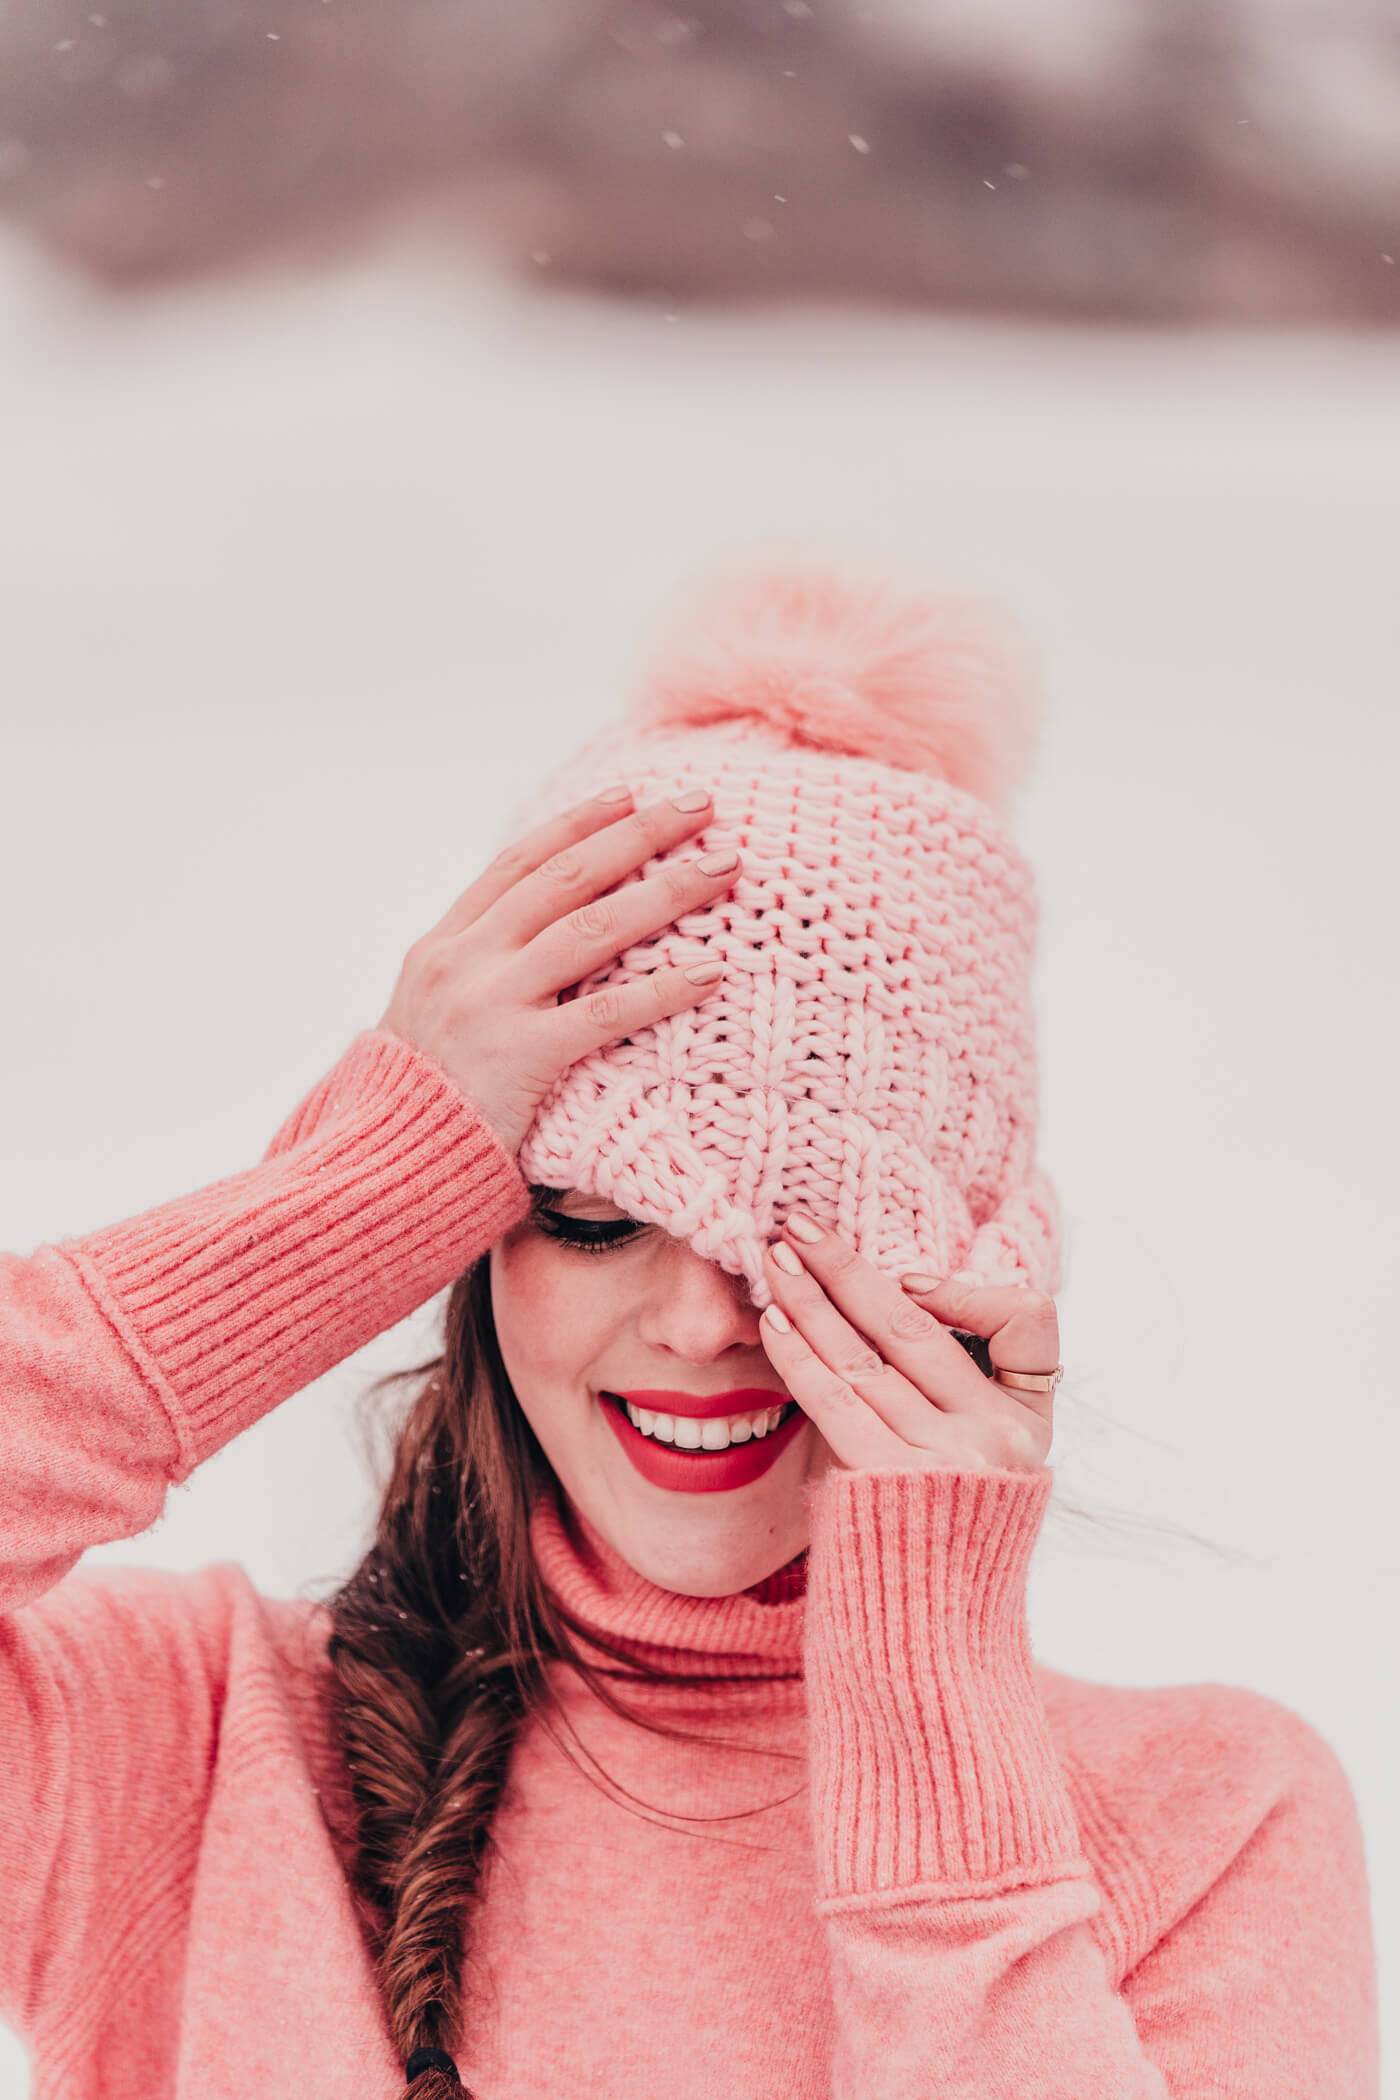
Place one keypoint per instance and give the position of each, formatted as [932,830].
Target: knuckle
[564,869]
[1040,1306]
[429,964]
[605,1007]
[1021,1441]
[840,1259]
[595,921]
[910,1319]
[864,1365]
[835,1393]
[654,825]
[513,860]
[679,878]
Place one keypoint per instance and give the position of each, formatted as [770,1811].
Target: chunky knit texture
[966,1875]
[868,1054]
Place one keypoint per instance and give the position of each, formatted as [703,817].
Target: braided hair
[440,1646]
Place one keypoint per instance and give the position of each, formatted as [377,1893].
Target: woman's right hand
[479,994]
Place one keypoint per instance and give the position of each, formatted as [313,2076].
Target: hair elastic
[429,2060]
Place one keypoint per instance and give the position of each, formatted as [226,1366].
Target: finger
[1020,1325]
[844,1419]
[594,936]
[576,877]
[556,835]
[906,1407]
[907,1336]
[618,1009]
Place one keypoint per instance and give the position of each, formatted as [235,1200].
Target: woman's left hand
[874,1366]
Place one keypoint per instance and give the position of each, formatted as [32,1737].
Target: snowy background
[301,580]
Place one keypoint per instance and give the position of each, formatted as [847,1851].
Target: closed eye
[587,1235]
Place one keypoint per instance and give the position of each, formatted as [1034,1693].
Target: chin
[706,1573]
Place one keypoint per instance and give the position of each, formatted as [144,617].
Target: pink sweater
[973,1877]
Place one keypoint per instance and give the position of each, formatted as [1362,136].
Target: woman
[679,1733]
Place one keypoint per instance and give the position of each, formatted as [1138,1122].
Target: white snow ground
[300,583]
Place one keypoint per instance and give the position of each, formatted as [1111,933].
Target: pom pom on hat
[854,659]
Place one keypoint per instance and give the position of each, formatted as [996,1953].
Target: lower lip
[700,1472]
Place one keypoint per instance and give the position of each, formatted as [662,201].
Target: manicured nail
[776,1317]
[618,792]
[784,1256]
[696,799]
[802,1227]
[717,863]
[704,973]
[914,1282]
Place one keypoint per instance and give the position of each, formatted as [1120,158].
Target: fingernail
[776,1317]
[914,1282]
[704,973]
[696,799]
[717,863]
[786,1259]
[802,1227]
[618,792]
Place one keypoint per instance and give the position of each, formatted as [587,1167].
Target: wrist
[931,1756]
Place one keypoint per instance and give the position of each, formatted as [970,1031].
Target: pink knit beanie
[868,1053]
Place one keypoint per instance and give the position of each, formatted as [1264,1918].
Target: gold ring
[1029,1381]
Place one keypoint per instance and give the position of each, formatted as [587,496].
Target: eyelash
[588,1236]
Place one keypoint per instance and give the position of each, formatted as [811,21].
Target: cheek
[550,1317]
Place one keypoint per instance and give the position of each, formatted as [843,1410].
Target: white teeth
[690,1433]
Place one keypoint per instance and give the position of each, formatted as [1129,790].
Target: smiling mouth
[688,1433]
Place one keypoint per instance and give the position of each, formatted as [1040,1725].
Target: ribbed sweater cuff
[380,1189]
[932,1764]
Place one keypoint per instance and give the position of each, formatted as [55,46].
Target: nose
[697,1310]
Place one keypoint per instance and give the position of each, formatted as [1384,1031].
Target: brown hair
[440,1644]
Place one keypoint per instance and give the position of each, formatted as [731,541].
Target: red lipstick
[706,1407]
[702,1472]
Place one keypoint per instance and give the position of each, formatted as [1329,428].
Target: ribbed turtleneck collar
[724,1637]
